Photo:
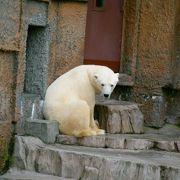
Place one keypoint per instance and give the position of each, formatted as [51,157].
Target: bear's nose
[106,95]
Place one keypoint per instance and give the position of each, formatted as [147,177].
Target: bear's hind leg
[84,132]
[77,122]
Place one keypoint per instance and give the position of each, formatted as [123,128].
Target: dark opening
[36,60]
[99,3]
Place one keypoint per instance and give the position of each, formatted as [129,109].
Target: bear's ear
[117,75]
[96,76]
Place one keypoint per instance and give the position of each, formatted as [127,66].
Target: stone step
[31,107]
[87,163]
[119,117]
[15,174]
[125,141]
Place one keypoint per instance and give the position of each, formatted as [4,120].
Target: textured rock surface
[81,162]
[120,141]
[119,117]
[149,38]
[5,135]
[176,63]
[28,175]
[125,80]
[43,129]
[70,36]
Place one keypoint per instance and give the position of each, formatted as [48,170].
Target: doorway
[104,33]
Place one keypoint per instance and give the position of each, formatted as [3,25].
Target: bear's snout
[106,95]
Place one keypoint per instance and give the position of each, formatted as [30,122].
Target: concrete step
[15,174]
[89,163]
[119,117]
[125,141]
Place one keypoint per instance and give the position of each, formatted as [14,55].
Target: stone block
[157,112]
[115,142]
[119,117]
[166,145]
[92,141]
[43,129]
[138,144]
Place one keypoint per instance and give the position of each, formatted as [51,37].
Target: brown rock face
[5,135]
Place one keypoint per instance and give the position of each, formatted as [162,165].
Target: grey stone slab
[92,141]
[119,117]
[115,142]
[80,162]
[43,129]
[138,144]
[125,141]
[66,139]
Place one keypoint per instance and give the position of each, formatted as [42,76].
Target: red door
[104,33]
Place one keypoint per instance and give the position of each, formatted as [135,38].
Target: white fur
[71,98]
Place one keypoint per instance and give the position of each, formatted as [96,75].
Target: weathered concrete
[81,162]
[119,117]
[44,129]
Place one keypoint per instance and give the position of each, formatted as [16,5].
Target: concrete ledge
[43,129]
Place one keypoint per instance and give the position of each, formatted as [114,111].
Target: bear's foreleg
[94,123]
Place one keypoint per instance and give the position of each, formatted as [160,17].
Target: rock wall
[147,54]
[15,18]
[70,36]
[9,43]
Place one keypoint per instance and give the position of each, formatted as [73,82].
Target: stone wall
[147,54]
[70,36]
[9,46]
[16,16]
[176,57]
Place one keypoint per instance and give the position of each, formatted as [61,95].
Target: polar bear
[70,99]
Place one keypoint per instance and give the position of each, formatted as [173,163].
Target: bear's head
[105,82]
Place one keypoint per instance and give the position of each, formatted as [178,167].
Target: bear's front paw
[100,131]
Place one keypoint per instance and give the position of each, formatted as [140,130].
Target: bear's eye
[102,84]
[112,85]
